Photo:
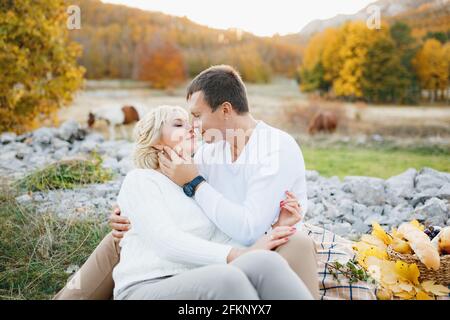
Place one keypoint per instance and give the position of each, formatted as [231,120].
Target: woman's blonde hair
[147,134]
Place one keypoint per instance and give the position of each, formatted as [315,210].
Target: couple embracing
[221,220]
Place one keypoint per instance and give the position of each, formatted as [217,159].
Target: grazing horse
[323,121]
[114,117]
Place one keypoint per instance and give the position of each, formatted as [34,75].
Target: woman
[173,250]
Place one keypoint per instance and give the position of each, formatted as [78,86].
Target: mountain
[389,9]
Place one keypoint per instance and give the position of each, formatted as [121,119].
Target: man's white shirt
[242,197]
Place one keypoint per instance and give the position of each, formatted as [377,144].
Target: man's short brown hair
[221,84]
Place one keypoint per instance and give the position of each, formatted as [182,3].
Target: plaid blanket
[331,247]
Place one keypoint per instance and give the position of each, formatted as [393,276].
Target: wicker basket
[440,276]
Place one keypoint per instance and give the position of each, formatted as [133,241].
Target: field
[380,163]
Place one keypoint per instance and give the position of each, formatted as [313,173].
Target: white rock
[311,175]
[24,199]
[401,186]
[59,144]
[70,130]
[61,153]
[434,211]
[44,136]
[377,138]
[7,137]
[374,218]
[360,210]
[88,146]
[342,228]
[97,137]
[444,192]
[429,178]
[126,165]
[111,163]
[366,190]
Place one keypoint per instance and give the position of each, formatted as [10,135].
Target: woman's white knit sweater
[170,233]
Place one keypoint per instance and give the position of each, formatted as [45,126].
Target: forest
[44,63]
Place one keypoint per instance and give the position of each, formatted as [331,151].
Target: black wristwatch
[189,188]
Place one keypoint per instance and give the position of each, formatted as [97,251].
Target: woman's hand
[277,237]
[290,212]
[119,224]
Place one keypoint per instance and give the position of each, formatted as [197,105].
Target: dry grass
[37,249]
[66,175]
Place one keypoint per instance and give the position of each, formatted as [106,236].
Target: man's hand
[119,224]
[178,168]
[290,212]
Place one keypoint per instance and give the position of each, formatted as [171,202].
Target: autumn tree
[37,62]
[353,53]
[160,62]
[406,48]
[447,54]
[431,65]
[384,78]
[441,36]
[312,71]
[247,60]
[355,62]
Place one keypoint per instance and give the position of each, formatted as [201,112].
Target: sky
[260,17]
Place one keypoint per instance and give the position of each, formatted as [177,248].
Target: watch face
[188,190]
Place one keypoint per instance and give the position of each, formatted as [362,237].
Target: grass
[382,163]
[36,249]
[66,175]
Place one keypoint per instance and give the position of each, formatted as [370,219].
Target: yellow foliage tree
[352,53]
[432,66]
[332,62]
[37,62]
[316,67]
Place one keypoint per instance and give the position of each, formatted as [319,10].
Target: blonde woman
[173,251]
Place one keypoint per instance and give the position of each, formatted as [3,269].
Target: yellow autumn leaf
[405,286]
[401,246]
[409,272]
[388,278]
[374,241]
[375,272]
[423,296]
[378,231]
[362,261]
[395,234]
[384,294]
[417,224]
[375,252]
[405,295]
[361,246]
[436,289]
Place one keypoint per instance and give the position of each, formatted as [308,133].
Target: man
[238,178]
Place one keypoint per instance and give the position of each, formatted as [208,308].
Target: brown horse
[323,121]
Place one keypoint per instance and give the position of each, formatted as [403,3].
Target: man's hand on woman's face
[119,224]
[181,169]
